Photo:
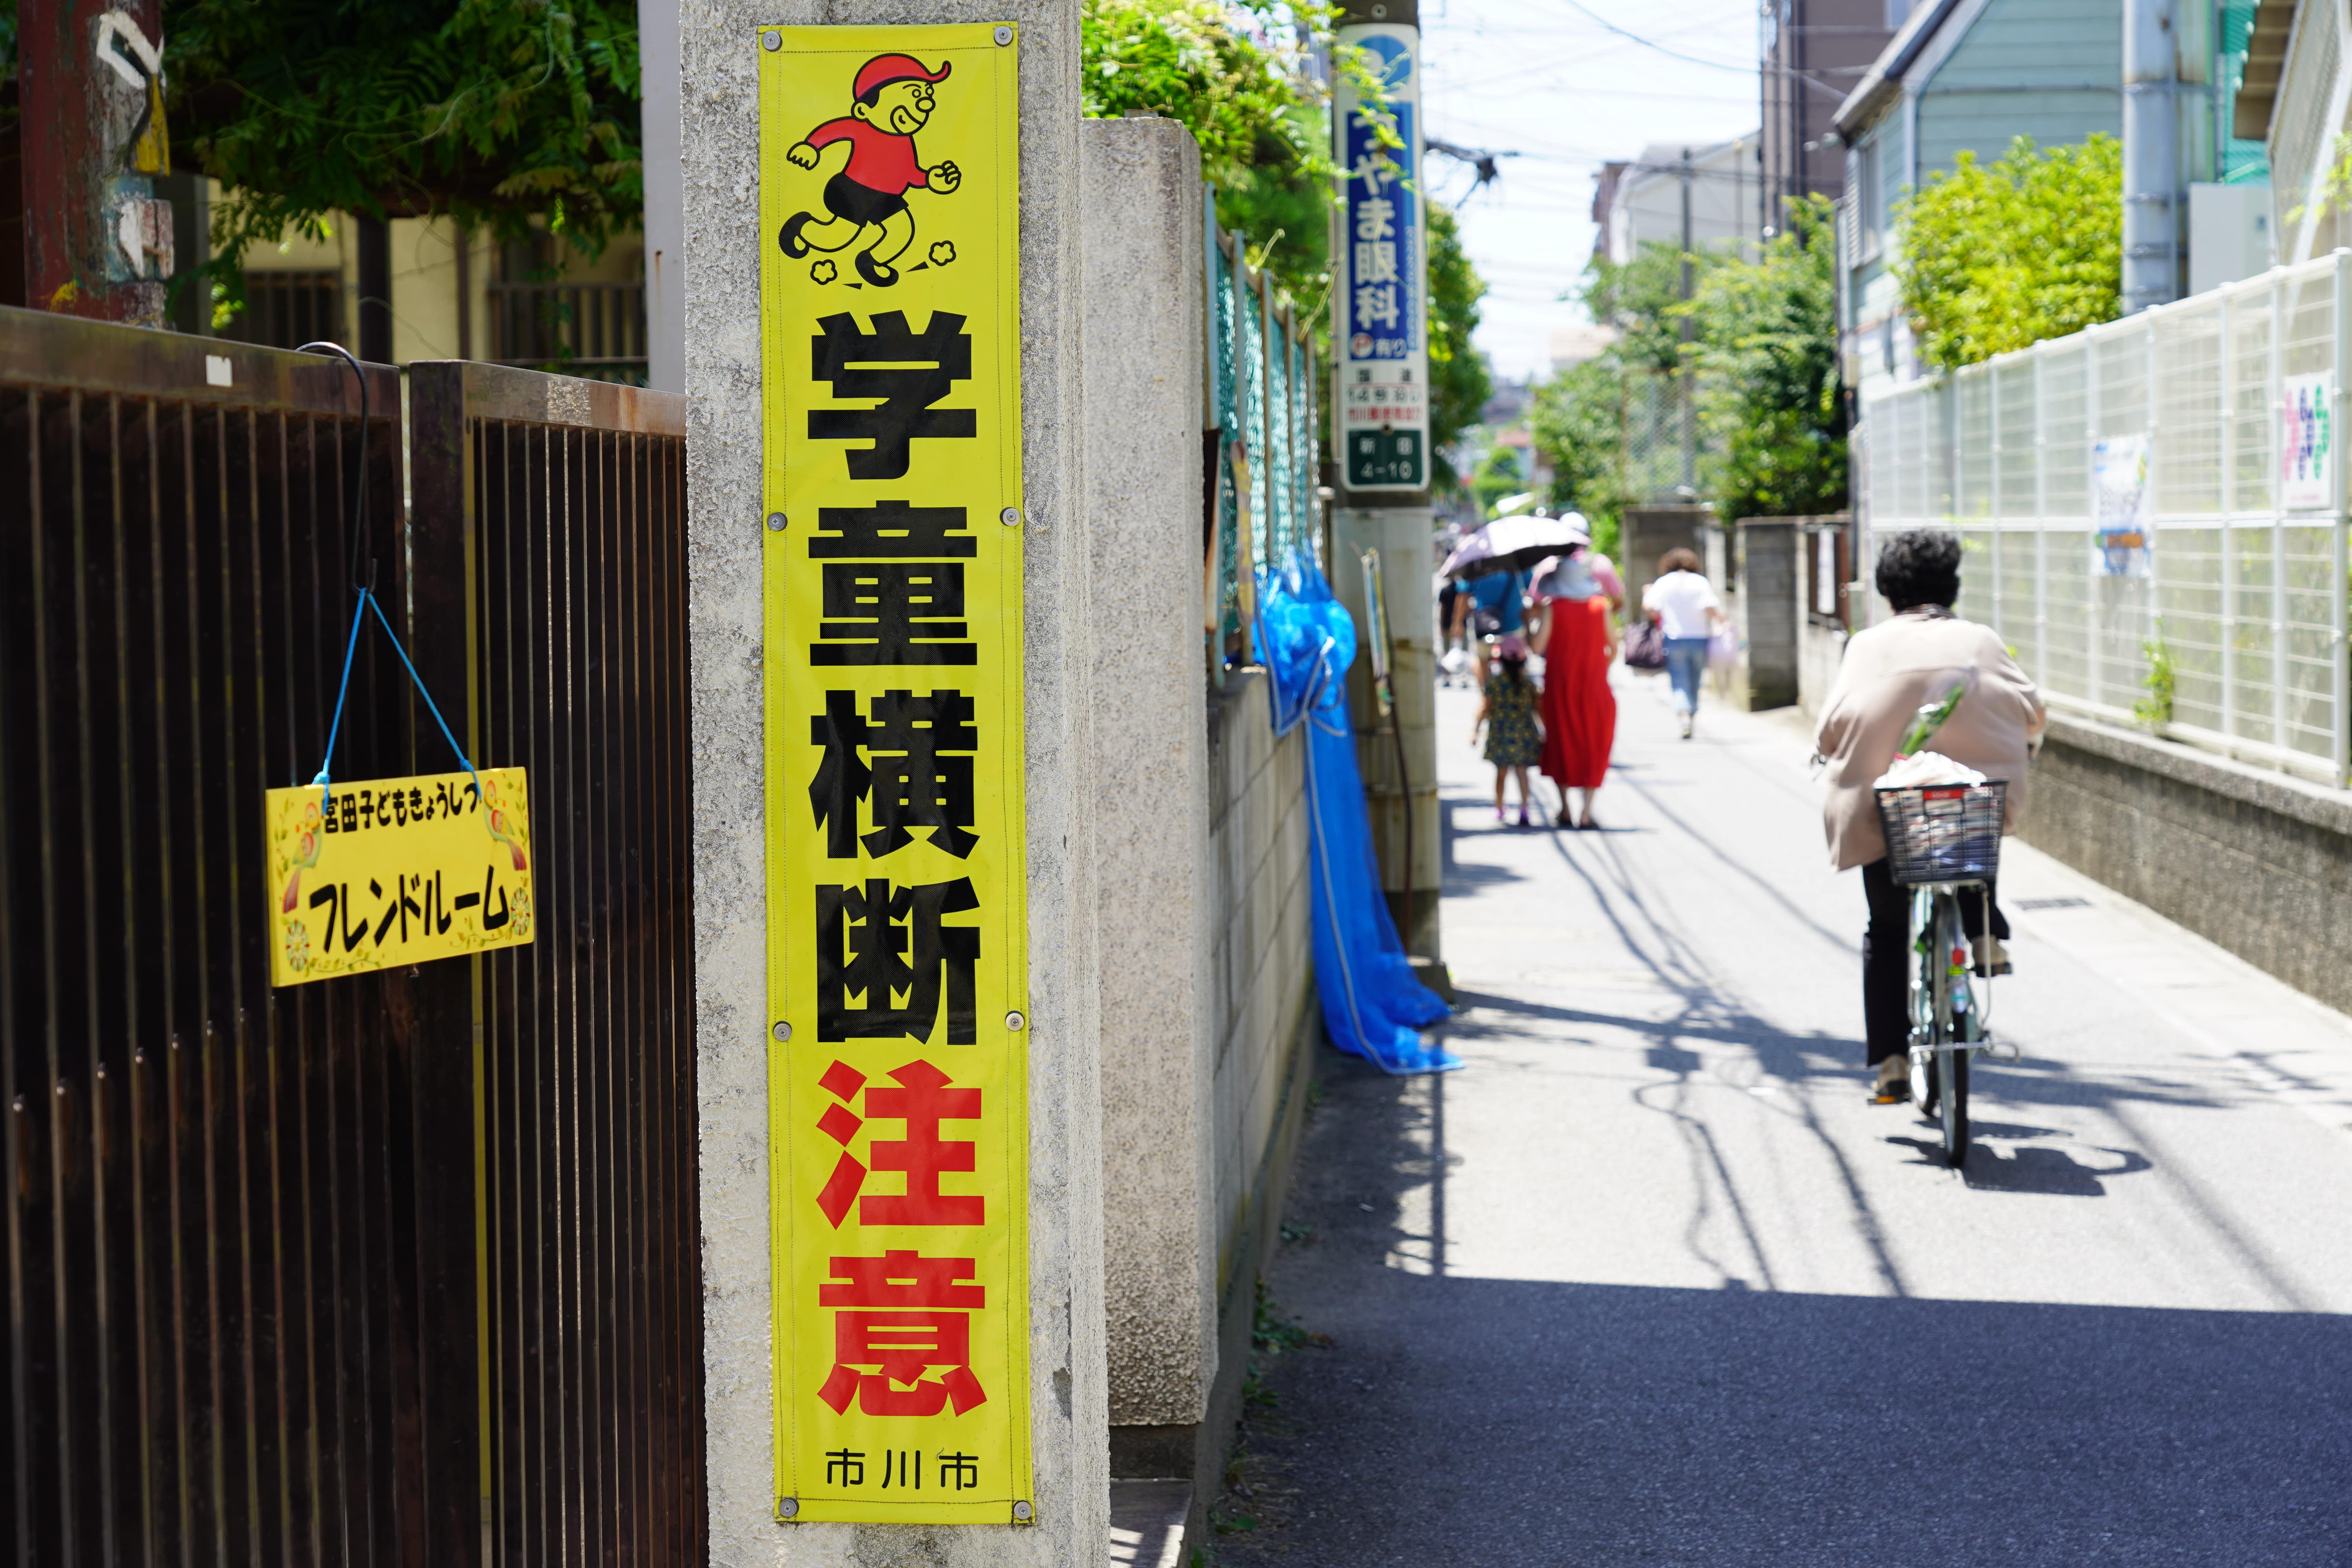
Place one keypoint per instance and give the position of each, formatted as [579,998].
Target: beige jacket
[1889,670]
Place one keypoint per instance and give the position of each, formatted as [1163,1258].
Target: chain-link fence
[1262,418]
[2226,629]
[1664,439]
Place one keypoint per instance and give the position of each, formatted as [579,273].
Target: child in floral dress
[1514,736]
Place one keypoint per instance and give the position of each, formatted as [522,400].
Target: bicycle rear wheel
[1952,1093]
[1955,1026]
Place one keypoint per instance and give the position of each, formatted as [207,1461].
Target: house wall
[2051,69]
[426,318]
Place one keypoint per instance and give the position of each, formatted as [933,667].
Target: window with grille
[285,309]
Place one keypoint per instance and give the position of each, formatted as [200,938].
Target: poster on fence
[2122,507]
[2307,442]
[897,969]
[387,872]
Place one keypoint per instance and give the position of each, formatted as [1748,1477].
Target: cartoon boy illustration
[892,98]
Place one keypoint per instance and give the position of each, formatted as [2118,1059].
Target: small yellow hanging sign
[392,871]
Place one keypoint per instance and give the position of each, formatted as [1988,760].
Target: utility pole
[1683,411]
[2167,141]
[1379,448]
[98,243]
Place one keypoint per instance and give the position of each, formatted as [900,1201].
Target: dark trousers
[1886,957]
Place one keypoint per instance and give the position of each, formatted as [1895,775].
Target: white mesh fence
[2244,594]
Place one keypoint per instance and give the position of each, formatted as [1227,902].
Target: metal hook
[362,541]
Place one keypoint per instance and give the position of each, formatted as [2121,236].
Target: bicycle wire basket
[1943,833]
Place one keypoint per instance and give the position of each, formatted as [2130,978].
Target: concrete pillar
[721,141]
[1765,610]
[1141,395]
[1401,534]
[665,196]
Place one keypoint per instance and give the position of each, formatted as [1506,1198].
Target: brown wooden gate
[399,1268]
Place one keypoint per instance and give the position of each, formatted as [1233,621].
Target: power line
[1579,7]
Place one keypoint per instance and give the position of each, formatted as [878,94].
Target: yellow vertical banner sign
[897,969]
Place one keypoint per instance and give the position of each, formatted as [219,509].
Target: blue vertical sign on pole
[1380,384]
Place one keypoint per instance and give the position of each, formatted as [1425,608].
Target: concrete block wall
[1262,960]
[2255,861]
[1200,826]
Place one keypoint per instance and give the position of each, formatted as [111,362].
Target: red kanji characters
[922,1101]
[902,1332]
[840,1123]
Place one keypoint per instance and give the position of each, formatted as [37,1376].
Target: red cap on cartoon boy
[884,70]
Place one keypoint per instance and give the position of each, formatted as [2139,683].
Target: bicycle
[1943,841]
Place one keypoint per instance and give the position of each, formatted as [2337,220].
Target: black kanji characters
[875,610]
[907,370]
[891,530]
[919,775]
[879,941]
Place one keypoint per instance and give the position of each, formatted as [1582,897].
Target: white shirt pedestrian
[1681,601]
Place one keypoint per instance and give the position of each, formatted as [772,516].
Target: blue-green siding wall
[2043,56]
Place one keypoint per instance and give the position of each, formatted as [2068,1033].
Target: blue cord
[358,615]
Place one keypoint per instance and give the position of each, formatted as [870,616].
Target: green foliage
[1997,256]
[1764,351]
[1640,297]
[1225,74]
[1577,423]
[1497,475]
[2155,710]
[1459,382]
[1758,340]
[495,112]
[1236,77]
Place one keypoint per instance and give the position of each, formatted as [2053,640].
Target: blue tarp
[1373,1007]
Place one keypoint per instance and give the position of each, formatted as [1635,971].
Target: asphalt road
[1649,1281]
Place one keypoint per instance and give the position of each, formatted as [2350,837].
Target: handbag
[1645,645]
[1722,646]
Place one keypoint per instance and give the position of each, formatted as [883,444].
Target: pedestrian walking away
[1889,672]
[1489,608]
[1575,630]
[1683,602]
[1514,734]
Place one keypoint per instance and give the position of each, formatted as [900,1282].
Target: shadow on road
[1474,1421]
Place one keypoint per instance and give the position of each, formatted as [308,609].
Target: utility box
[2229,234]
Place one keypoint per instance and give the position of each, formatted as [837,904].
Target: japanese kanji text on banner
[392,871]
[896,963]
[1380,385]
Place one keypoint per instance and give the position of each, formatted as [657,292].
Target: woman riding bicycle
[1890,670]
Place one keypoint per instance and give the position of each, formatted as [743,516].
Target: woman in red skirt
[1576,633]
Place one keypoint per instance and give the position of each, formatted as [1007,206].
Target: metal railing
[2241,602]
[562,504]
[279,1264]
[596,330]
[1260,418]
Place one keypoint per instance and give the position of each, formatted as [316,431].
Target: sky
[1546,79]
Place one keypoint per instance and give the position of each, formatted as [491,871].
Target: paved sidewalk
[1650,1281]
